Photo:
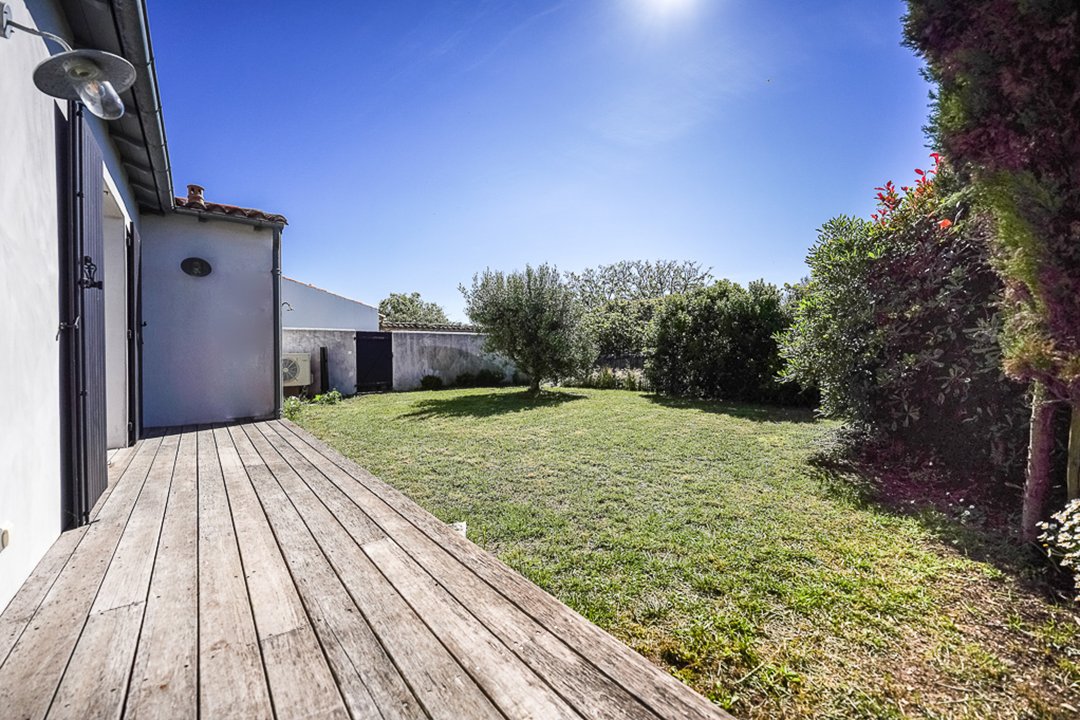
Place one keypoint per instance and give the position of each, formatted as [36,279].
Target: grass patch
[702,536]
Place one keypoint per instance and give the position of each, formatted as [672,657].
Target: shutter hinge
[73,325]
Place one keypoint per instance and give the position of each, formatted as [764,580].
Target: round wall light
[196,267]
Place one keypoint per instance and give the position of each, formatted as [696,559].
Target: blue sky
[412,143]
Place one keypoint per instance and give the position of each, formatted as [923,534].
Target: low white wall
[311,307]
[444,354]
[208,352]
[341,356]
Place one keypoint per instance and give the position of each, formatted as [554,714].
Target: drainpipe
[276,275]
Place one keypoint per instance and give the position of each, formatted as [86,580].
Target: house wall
[115,278]
[30,506]
[341,356]
[208,342]
[445,354]
[311,307]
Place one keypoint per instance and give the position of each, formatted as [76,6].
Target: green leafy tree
[411,308]
[898,326]
[720,342]
[533,318]
[1008,114]
[831,344]
[634,280]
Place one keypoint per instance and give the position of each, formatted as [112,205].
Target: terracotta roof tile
[213,208]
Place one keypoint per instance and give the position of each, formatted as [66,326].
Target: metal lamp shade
[63,75]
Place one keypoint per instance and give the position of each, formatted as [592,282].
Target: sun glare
[667,8]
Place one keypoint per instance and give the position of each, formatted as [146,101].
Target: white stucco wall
[114,275]
[312,307]
[340,351]
[443,354]
[29,295]
[208,343]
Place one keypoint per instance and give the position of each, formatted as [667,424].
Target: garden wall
[445,354]
[341,356]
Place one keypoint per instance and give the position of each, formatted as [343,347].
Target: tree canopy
[533,318]
[411,308]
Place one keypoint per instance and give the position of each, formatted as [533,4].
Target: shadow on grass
[488,404]
[743,411]
[976,531]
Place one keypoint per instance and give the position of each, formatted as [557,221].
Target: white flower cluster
[1061,538]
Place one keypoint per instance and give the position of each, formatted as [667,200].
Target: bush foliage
[533,318]
[720,342]
[899,323]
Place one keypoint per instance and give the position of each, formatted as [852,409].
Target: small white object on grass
[460,527]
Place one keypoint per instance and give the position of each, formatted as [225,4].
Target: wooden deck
[250,572]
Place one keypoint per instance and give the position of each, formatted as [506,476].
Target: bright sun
[666,8]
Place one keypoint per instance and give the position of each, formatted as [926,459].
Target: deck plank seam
[464,666]
[112,555]
[360,610]
[41,600]
[150,581]
[628,689]
[523,658]
[243,571]
[300,595]
[296,588]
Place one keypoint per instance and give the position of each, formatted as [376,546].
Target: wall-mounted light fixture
[93,77]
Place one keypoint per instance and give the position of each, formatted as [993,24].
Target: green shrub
[720,342]
[607,378]
[899,329]
[431,382]
[465,380]
[331,398]
[489,378]
[292,408]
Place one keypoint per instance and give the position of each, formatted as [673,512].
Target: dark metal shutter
[82,317]
[374,361]
[92,328]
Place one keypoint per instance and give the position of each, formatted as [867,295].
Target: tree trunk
[1072,476]
[1040,445]
[534,387]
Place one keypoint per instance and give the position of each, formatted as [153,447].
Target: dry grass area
[705,536]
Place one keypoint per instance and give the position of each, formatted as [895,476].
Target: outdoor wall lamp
[92,77]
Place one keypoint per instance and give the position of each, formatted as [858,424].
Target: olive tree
[533,318]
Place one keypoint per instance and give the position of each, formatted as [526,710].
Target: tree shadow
[974,528]
[743,411]
[488,404]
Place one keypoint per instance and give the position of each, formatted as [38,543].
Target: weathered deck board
[34,668]
[250,571]
[164,679]
[569,674]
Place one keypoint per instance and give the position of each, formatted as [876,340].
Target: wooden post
[324,371]
[1072,476]
[1040,446]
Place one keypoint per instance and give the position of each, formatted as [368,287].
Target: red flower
[945,224]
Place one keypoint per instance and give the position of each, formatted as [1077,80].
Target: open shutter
[92,327]
[82,317]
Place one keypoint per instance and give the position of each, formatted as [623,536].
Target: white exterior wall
[340,356]
[115,278]
[208,343]
[313,307]
[443,354]
[30,477]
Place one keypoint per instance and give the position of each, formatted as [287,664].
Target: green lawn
[703,536]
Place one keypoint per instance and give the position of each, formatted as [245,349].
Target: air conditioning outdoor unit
[295,369]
